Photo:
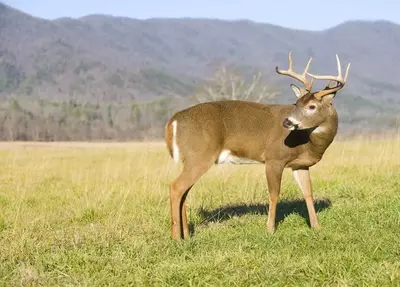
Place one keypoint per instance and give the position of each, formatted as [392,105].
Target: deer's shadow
[284,209]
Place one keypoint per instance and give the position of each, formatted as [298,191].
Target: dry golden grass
[98,214]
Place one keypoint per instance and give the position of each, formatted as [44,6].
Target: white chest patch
[226,157]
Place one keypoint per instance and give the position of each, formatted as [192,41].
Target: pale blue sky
[302,14]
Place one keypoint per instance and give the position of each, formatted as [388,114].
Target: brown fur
[250,130]
[279,136]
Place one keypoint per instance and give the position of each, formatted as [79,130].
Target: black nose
[287,123]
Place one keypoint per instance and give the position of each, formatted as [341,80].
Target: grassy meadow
[96,214]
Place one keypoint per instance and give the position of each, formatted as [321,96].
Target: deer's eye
[312,107]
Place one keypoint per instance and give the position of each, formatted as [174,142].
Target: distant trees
[231,84]
[84,120]
[73,120]
[44,120]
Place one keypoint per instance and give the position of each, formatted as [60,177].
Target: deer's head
[312,108]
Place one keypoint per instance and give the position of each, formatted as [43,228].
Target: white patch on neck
[226,157]
[294,121]
[320,129]
[175,148]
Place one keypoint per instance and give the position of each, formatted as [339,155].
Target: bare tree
[230,84]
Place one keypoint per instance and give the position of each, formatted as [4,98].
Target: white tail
[175,148]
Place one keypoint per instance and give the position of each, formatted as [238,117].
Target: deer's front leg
[303,179]
[273,170]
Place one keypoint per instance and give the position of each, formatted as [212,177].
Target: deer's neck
[322,136]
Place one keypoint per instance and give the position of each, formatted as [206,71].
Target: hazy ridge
[103,59]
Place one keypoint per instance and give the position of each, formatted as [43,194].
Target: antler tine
[300,77]
[290,62]
[339,67]
[347,72]
[339,79]
[310,84]
[307,67]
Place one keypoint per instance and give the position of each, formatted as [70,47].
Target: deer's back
[241,128]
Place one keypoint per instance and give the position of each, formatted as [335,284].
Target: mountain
[103,58]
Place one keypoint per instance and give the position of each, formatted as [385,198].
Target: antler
[339,79]
[300,77]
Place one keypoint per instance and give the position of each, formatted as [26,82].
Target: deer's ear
[296,90]
[328,98]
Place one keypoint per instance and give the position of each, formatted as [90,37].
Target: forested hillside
[103,77]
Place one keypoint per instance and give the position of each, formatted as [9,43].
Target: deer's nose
[289,124]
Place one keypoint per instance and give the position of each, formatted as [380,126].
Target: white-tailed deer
[280,136]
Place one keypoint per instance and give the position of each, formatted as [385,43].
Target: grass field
[98,214]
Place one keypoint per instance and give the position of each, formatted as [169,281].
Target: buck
[279,136]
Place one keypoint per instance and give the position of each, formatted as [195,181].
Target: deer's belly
[227,157]
[302,162]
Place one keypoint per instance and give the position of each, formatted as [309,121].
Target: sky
[300,14]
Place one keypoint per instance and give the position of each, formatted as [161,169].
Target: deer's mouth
[291,124]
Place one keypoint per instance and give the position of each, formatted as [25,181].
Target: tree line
[44,120]
[27,119]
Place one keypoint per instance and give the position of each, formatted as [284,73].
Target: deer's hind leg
[185,225]
[179,188]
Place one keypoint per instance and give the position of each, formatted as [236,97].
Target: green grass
[98,214]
